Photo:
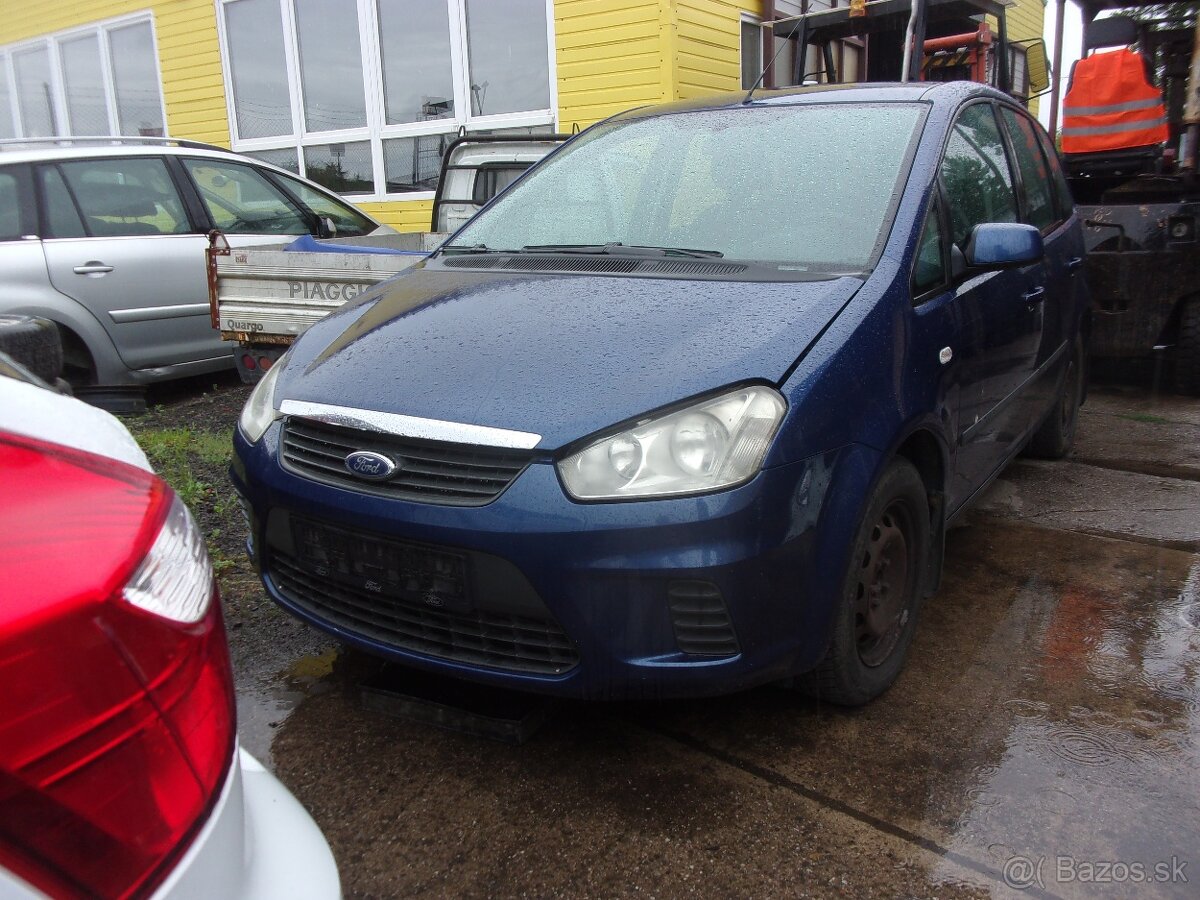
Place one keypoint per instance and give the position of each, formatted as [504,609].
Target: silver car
[106,238]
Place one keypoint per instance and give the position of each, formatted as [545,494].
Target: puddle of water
[262,707]
[1101,758]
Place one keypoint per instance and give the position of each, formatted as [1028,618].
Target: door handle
[1037,295]
[92,267]
[1074,264]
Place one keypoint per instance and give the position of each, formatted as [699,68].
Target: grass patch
[178,453]
[1144,417]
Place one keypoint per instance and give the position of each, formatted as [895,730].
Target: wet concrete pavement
[1044,738]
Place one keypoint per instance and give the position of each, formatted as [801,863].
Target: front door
[1000,313]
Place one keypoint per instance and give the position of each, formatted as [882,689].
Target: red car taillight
[116,695]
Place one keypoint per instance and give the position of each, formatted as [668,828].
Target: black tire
[34,343]
[1056,436]
[881,595]
[1187,349]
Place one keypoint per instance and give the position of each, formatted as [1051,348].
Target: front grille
[701,621]
[428,471]
[478,637]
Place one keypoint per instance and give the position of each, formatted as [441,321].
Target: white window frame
[53,44]
[751,19]
[377,130]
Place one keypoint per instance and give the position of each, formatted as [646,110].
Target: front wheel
[881,596]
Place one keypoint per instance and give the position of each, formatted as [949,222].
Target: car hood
[560,356]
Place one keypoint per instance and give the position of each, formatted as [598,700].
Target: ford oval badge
[370,465]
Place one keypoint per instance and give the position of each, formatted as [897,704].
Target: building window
[363,96]
[752,47]
[98,80]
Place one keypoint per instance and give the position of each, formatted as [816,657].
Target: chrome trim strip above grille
[411,426]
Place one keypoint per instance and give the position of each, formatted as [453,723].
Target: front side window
[98,80]
[708,180]
[241,200]
[929,269]
[125,197]
[380,87]
[348,221]
[979,184]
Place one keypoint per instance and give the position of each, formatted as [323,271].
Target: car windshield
[802,186]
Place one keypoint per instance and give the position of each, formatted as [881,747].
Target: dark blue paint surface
[557,355]
[567,356]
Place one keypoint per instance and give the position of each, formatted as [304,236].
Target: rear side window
[1062,190]
[124,197]
[63,219]
[978,182]
[241,200]
[10,208]
[1035,175]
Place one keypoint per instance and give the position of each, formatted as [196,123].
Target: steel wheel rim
[881,601]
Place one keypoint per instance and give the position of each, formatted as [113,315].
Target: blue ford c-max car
[688,407]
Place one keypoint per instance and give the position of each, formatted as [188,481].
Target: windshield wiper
[617,247]
[473,248]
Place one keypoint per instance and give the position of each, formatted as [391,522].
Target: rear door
[1064,251]
[120,242]
[1000,313]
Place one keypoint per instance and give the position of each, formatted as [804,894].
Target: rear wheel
[1057,434]
[1187,349]
[881,596]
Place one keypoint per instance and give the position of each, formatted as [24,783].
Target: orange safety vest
[1111,106]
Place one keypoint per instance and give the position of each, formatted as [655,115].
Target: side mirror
[1037,66]
[999,245]
[328,229]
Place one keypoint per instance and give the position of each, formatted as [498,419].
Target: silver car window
[241,200]
[120,197]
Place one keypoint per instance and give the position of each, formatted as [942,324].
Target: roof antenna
[763,74]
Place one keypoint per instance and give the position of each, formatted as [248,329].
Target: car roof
[20,150]
[938,93]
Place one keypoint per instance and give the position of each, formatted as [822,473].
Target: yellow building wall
[189,55]
[709,45]
[610,56]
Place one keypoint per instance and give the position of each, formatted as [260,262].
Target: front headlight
[714,444]
[260,410]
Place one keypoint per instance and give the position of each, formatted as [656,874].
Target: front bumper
[606,573]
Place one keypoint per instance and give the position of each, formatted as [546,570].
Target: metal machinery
[956,38]
[1141,204]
